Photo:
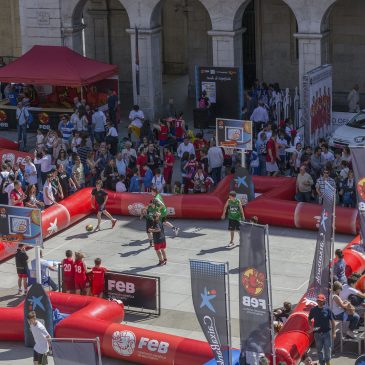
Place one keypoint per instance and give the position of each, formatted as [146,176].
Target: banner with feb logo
[256,332]
[208,285]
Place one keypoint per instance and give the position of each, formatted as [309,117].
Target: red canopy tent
[55,65]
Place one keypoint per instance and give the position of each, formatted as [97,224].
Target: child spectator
[120,186]
[158,181]
[80,273]
[134,182]
[68,272]
[147,177]
[159,240]
[97,283]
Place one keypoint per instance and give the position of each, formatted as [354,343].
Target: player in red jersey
[80,273]
[97,283]
[68,272]
[180,128]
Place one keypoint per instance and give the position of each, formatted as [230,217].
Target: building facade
[272,40]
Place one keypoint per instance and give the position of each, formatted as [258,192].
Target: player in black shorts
[159,239]
[148,213]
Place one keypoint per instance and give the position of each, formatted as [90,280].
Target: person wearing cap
[235,215]
[323,328]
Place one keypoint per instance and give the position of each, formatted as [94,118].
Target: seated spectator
[350,293]
[347,190]
[304,186]
[120,186]
[31,200]
[282,314]
[343,310]
[320,185]
[339,268]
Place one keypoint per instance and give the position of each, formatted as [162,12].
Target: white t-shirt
[8,189]
[112,132]
[158,182]
[346,291]
[45,162]
[40,335]
[31,172]
[47,188]
[120,187]
[136,118]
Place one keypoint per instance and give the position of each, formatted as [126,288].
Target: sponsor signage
[232,133]
[136,291]
[208,284]
[20,225]
[340,118]
[242,184]
[254,294]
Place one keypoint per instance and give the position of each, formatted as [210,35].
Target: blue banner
[21,225]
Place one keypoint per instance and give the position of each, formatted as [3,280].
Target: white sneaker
[350,334]
[176,230]
[231,244]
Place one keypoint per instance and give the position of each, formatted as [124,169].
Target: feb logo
[253,281]
[3,116]
[135,209]
[124,342]
[361,188]
[43,118]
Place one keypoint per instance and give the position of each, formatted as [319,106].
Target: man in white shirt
[45,160]
[41,339]
[186,146]
[98,121]
[121,164]
[259,115]
[48,197]
[128,151]
[30,171]
[327,155]
[349,289]
[215,162]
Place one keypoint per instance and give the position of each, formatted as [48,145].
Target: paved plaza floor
[126,248]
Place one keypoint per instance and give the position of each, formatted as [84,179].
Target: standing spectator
[179,125]
[339,268]
[43,159]
[296,158]
[21,263]
[76,141]
[112,138]
[136,118]
[31,200]
[98,121]
[68,273]
[327,154]
[353,99]
[346,155]
[320,185]
[9,188]
[112,106]
[158,181]
[271,156]
[186,146]
[262,152]
[141,160]
[204,102]
[282,145]
[83,149]
[134,186]
[168,168]
[22,117]
[147,177]
[316,162]
[97,281]
[120,186]
[259,116]
[215,162]
[41,339]
[111,175]
[347,190]
[17,195]
[66,127]
[39,140]
[78,174]
[153,157]
[324,326]
[199,180]
[30,171]
[129,151]
[48,196]
[199,145]
[303,186]
[121,164]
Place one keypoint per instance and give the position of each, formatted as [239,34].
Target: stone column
[313,52]
[227,47]
[150,72]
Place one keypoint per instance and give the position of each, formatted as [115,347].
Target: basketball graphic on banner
[124,342]
[253,281]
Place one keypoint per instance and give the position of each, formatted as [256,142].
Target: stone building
[273,40]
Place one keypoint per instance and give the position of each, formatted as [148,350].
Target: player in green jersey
[235,214]
[147,213]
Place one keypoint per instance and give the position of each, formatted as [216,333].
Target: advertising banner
[224,88]
[242,184]
[358,158]
[233,133]
[254,294]
[340,118]
[20,225]
[319,282]
[38,301]
[317,86]
[136,291]
[208,285]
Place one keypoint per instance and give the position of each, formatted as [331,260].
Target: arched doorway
[185,44]
[347,54]
[270,51]
[103,37]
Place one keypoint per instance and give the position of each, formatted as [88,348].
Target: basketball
[89,227]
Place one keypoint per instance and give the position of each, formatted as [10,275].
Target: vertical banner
[358,158]
[254,294]
[317,86]
[208,285]
[137,62]
[319,281]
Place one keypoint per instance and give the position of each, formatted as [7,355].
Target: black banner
[37,300]
[242,184]
[224,86]
[254,295]
[135,291]
[358,159]
[208,285]
[319,282]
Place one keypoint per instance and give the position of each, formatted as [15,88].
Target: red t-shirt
[199,144]
[179,131]
[80,271]
[271,146]
[98,274]
[15,195]
[141,160]
[170,159]
[164,131]
[68,268]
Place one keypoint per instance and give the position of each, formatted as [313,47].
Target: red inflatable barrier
[8,144]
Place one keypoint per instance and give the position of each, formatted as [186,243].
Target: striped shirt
[66,130]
